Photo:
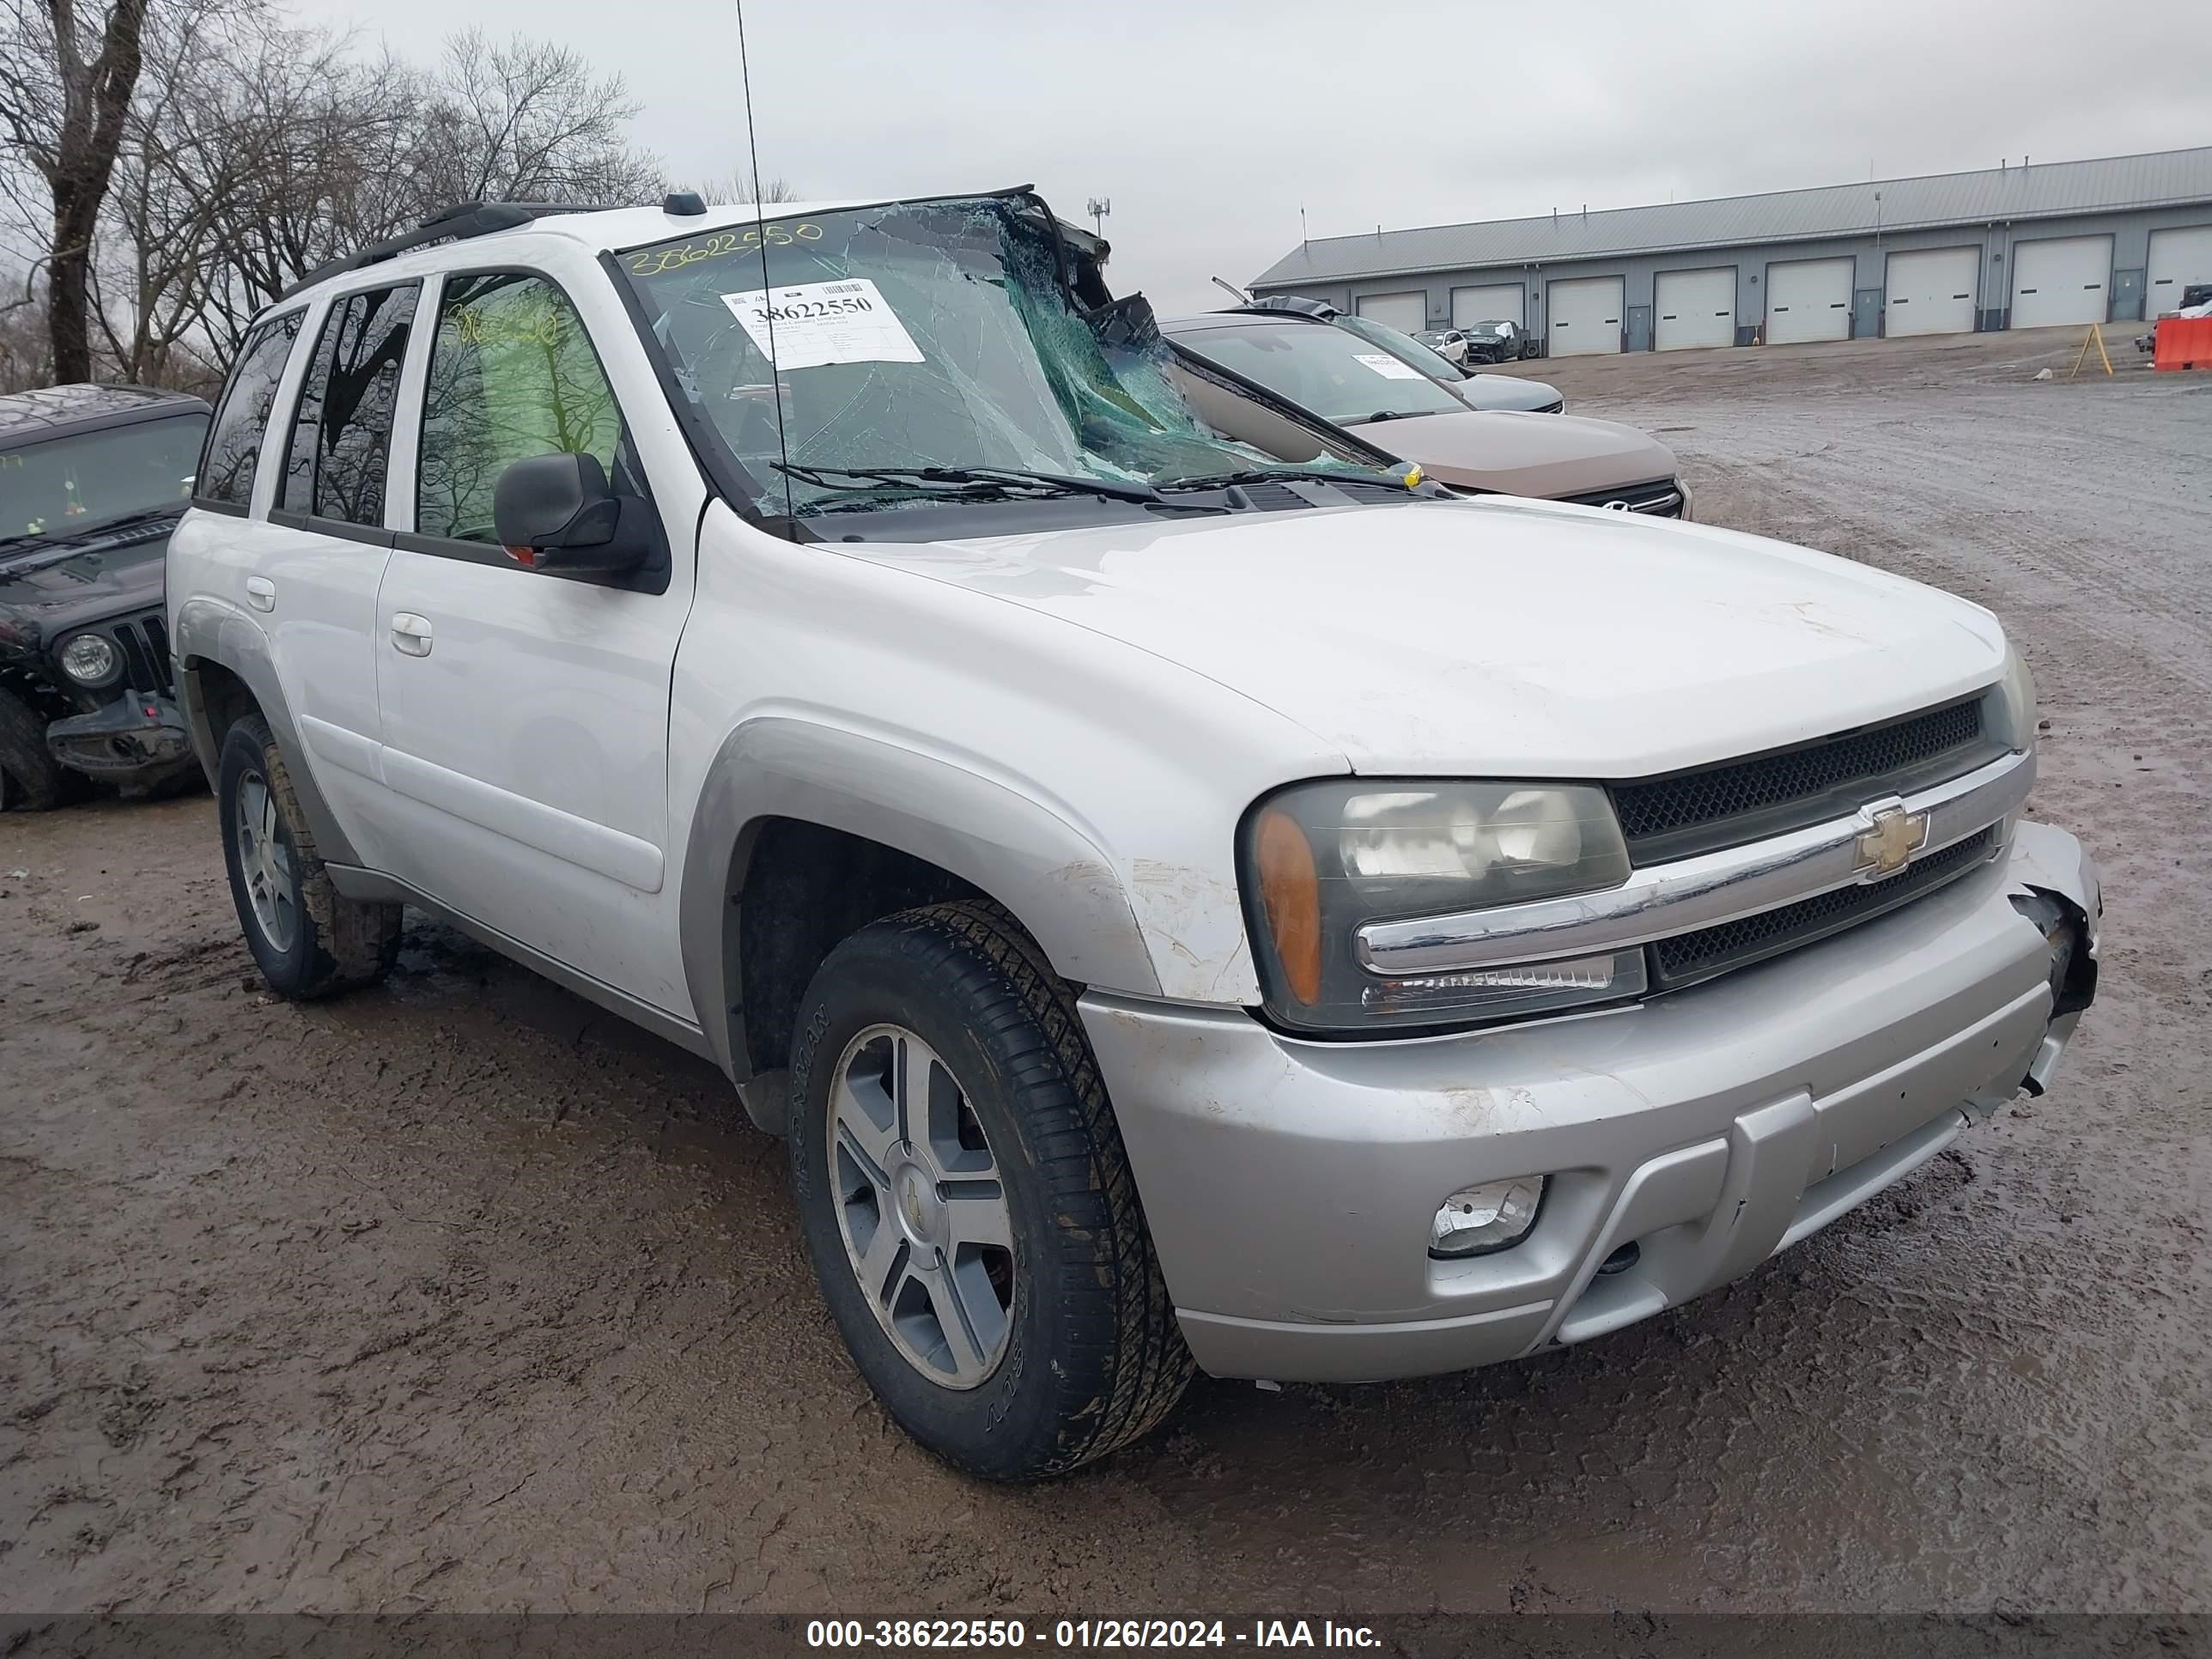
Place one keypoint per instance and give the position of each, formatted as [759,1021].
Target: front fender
[206,631]
[1061,885]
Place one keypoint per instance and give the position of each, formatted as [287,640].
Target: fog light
[1477,1220]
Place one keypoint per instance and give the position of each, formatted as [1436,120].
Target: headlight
[1321,861]
[2012,714]
[89,659]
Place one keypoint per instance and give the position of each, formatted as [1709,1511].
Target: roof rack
[454,224]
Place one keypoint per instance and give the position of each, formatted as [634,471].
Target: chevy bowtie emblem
[1896,836]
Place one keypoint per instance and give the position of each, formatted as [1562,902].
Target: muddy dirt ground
[462,1295]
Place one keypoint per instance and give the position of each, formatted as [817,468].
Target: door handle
[411,634]
[261,593]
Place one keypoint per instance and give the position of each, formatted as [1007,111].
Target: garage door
[1808,300]
[1586,312]
[1693,309]
[1500,303]
[1406,313]
[1931,291]
[2066,279]
[2178,258]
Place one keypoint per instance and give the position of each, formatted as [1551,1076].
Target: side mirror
[556,513]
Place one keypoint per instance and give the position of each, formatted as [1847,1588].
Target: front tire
[308,939]
[967,1202]
[31,779]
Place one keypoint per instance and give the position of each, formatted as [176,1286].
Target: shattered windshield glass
[929,334]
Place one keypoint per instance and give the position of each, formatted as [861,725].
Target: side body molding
[1061,885]
[208,631]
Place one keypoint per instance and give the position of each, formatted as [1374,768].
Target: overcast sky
[1211,123]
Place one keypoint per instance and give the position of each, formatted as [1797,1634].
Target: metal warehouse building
[2011,246]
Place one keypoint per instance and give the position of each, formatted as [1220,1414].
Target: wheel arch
[801,829]
[224,670]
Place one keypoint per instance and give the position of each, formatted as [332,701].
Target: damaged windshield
[918,350]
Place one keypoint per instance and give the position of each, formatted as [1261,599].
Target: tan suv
[1390,404]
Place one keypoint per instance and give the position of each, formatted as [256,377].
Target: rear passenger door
[526,716]
[321,554]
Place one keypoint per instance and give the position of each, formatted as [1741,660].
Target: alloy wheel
[264,862]
[921,1207]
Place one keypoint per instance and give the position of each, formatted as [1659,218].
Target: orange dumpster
[2184,343]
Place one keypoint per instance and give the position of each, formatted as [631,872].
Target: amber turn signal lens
[1290,893]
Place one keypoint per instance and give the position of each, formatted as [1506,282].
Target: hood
[1501,638]
[1520,454]
[49,585]
[1506,391]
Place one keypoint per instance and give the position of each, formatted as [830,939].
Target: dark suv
[93,479]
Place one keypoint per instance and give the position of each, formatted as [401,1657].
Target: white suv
[1184,909]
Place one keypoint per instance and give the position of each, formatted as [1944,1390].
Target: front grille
[1661,500]
[1688,958]
[145,642]
[1742,801]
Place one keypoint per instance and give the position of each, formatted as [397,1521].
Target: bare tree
[24,354]
[322,148]
[246,152]
[67,75]
[735,188]
[527,122]
[187,156]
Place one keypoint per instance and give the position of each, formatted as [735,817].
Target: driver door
[526,716]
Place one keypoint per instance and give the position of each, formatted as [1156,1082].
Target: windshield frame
[177,408]
[743,489]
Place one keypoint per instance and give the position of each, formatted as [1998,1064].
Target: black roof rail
[452,224]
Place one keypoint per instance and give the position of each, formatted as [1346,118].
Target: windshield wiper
[118,521]
[831,478]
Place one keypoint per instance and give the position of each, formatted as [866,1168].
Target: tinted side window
[341,434]
[512,374]
[234,446]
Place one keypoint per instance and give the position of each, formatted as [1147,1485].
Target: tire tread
[354,943]
[1115,1312]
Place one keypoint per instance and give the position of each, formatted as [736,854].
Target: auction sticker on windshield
[1388,366]
[813,324]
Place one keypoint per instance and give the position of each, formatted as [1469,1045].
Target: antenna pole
[768,291]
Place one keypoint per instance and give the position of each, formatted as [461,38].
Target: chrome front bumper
[1289,1185]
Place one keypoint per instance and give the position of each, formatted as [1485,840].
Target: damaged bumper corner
[2056,886]
[138,742]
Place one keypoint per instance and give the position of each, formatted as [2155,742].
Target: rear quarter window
[234,446]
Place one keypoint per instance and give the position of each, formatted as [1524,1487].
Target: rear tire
[308,939]
[967,1202]
[31,779]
